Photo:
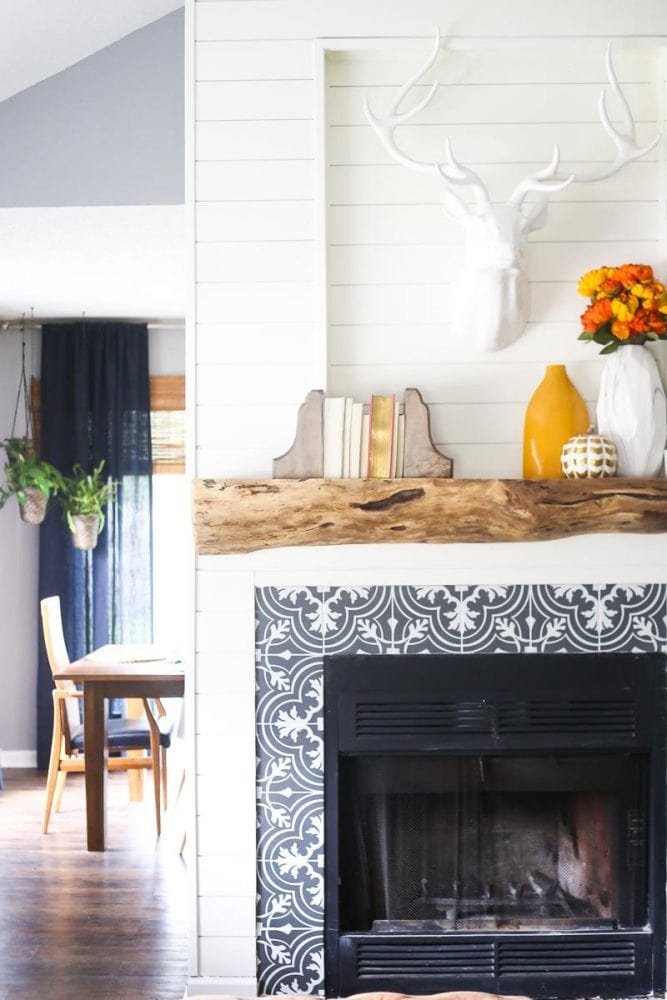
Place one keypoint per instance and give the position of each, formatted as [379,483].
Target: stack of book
[337,438]
[362,441]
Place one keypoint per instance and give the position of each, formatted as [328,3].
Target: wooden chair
[151,733]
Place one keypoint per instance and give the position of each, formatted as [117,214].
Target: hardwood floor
[76,925]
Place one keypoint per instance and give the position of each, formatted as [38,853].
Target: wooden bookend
[305,459]
[422,458]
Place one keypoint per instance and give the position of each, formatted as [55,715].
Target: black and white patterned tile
[298,626]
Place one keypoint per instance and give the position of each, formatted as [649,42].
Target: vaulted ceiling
[41,37]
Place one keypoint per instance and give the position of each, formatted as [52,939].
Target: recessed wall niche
[392,256]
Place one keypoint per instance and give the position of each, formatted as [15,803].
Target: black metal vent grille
[413,959]
[596,716]
[424,958]
[567,958]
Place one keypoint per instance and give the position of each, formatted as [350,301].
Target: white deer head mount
[493,298]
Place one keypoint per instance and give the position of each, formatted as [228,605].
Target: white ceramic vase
[632,410]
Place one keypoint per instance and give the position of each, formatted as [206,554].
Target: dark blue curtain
[96,405]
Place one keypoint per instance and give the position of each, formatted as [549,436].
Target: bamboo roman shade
[167,421]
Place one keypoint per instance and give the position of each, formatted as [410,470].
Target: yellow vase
[555,413]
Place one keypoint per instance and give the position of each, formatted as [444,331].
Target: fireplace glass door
[431,844]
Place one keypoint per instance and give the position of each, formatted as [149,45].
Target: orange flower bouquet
[628,306]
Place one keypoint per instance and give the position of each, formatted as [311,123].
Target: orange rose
[640,322]
[656,322]
[620,330]
[609,288]
[596,315]
[630,274]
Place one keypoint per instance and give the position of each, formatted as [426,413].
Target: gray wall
[19,545]
[106,131]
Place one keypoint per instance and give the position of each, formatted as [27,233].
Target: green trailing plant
[24,470]
[87,493]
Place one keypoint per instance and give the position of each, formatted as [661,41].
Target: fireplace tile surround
[296,626]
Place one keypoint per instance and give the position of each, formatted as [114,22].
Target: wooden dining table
[114,671]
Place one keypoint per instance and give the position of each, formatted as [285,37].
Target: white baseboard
[18,758]
[210,986]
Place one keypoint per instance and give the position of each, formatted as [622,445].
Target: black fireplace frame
[536,702]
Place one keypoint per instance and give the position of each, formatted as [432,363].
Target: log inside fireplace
[495,823]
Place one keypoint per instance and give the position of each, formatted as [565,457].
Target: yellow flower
[588,285]
[624,308]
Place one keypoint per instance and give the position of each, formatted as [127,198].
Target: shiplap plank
[279,300]
[233,876]
[284,261]
[254,59]
[229,713]
[490,423]
[408,345]
[392,302]
[257,140]
[228,461]
[223,673]
[423,224]
[227,957]
[486,461]
[231,915]
[391,183]
[560,261]
[255,221]
[241,384]
[537,64]
[254,180]
[500,103]
[312,18]
[215,633]
[247,100]
[480,382]
[471,461]
[273,342]
[476,143]
[256,426]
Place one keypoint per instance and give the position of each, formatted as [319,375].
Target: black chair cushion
[129,734]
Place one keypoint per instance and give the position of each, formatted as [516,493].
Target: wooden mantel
[244,515]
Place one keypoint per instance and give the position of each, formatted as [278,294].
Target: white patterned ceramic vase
[632,410]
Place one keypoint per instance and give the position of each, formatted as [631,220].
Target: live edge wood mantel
[244,515]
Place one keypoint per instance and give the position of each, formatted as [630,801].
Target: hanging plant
[84,498]
[29,479]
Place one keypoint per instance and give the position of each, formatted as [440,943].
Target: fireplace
[495,823]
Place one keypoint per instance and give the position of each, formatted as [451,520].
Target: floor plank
[76,925]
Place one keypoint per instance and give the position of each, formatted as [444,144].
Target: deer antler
[451,171]
[384,128]
[627,149]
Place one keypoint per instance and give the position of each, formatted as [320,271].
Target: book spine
[355,440]
[381,435]
[334,414]
[365,442]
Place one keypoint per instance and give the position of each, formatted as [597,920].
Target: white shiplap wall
[393,256]
[286,176]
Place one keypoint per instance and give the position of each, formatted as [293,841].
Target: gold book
[380,436]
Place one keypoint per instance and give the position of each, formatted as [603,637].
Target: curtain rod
[9,325]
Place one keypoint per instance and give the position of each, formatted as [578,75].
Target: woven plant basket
[86,527]
[33,511]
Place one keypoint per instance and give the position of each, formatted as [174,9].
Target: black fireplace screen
[500,843]
[495,823]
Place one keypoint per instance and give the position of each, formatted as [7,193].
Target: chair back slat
[56,651]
